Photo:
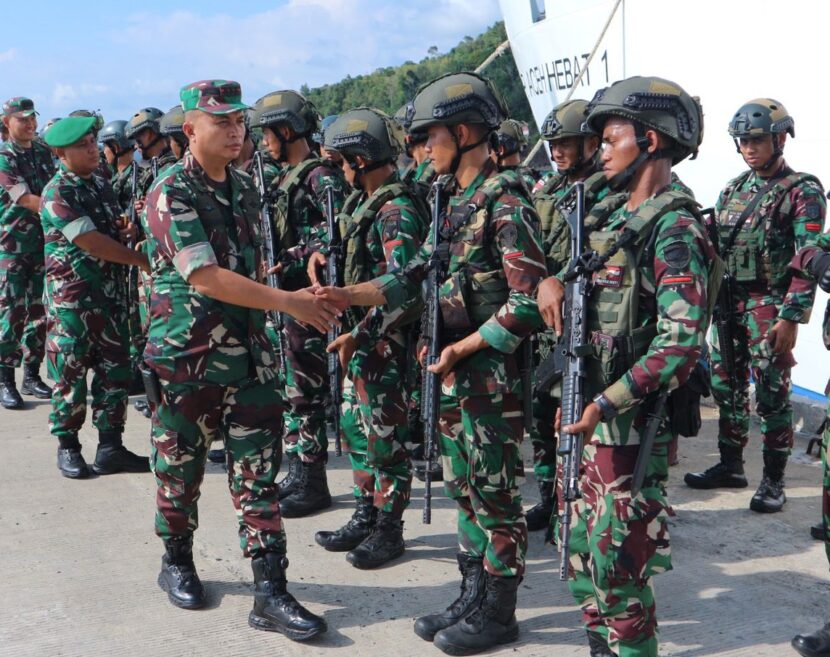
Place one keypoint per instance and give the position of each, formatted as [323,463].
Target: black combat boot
[310,494]
[32,384]
[381,546]
[770,497]
[598,645]
[728,473]
[71,463]
[275,609]
[818,532]
[288,484]
[350,535]
[538,517]
[9,396]
[143,406]
[178,575]
[816,644]
[492,624]
[472,590]
[112,457]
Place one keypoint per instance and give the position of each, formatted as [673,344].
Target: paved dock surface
[79,560]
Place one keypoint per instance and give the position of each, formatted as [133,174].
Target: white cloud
[8,55]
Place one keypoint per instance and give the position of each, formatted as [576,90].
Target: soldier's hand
[550,297]
[144,265]
[591,417]
[128,232]
[345,346]
[446,361]
[338,296]
[782,336]
[139,206]
[422,355]
[316,262]
[276,269]
[311,309]
[557,422]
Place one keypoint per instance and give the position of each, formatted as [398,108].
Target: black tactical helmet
[172,121]
[566,120]
[114,131]
[761,116]
[654,103]
[512,136]
[456,98]
[286,107]
[99,119]
[144,118]
[366,132]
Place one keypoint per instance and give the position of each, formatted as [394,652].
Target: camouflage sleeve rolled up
[60,210]
[677,276]
[11,180]
[807,209]
[177,231]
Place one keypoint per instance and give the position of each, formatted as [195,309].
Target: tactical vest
[481,293]
[290,197]
[613,327]
[748,259]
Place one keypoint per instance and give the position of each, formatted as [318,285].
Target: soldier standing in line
[512,139]
[119,152]
[494,264]
[383,223]
[764,217]
[214,367]
[86,282]
[299,194]
[171,127]
[26,165]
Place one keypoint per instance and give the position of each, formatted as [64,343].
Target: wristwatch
[608,410]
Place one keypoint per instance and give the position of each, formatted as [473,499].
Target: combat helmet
[565,121]
[286,107]
[319,135]
[655,103]
[758,117]
[144,118]
[367,132]
[410,138]
[114,132]
[512,136]
[172,121]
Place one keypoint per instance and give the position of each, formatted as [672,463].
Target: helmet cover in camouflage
[212,97]
[99,118]
[172,121]
[567,120]
[655,103]
[512,135]
[115,131]
[19,105]
[761,116]
[289,108]
[367,132]
[144,118]
[456,98]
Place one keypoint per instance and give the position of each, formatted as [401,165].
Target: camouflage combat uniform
[618,542]
[788,218]
[493,248]
[300,223]
[214,360]
[86,306]
[22,320]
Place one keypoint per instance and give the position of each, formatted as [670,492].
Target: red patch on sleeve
[677,280]
[813,228]
[513,256]
[394,243]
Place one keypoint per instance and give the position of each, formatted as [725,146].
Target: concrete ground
[79,562]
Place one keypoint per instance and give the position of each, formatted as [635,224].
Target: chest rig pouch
[289,198]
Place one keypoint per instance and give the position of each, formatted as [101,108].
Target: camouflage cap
[761,116]
[19,105]
[66,132]
[212,97]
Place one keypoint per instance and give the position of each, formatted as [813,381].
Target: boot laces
[770,487]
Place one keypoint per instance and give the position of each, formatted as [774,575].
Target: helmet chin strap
[777,152]
[581,165]
[155,141]
[623,179]
[460,150]
[366,168]
[284,143]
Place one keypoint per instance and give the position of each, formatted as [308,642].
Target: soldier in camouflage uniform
[298,210]
[764,216]
[104,170]
[383,224]
[214,364]
[494,265]
[26,165]
[647,317]
[85,295]
[119,152]
[171,127]
[512,140]
[810,265]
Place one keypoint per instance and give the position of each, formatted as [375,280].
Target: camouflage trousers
[306,389]
[543,437]
[78,341]
[247,416]
[617,543]
[480,439]
[772,384]
[374,423]
[22,316]
[825,489]
[139,317]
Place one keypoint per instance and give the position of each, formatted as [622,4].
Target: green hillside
[389,88]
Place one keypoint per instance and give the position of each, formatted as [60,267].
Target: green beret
[66,132]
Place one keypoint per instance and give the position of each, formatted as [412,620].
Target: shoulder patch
[508,236]
[813,210]
[677,254]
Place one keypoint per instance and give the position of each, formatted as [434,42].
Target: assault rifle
[333,278]
[270,261]
[575,347]
[431,397]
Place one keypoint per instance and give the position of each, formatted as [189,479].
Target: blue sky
[121,56]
